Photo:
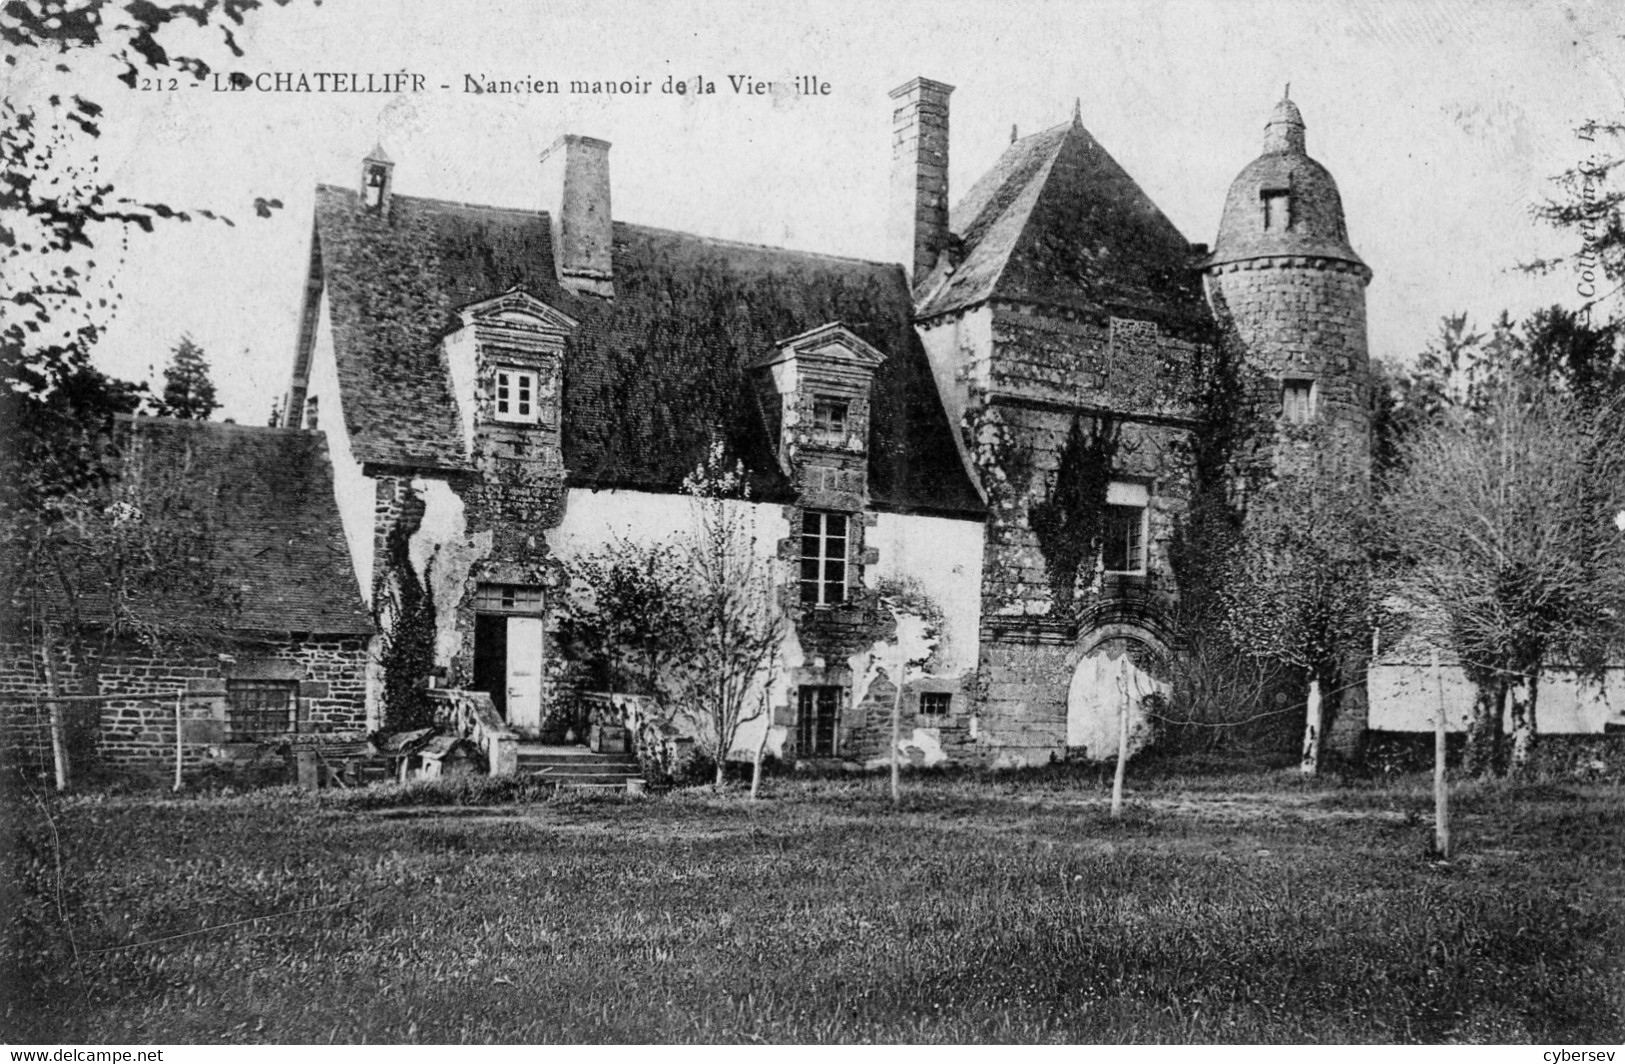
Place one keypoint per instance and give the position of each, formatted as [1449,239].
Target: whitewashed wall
[1406,698]
[945,557]
[595,519]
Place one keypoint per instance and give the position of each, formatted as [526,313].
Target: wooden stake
[1441,788]
[59,740]
[179,702]
[1122,748]
[897,727]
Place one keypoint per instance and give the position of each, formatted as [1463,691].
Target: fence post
[1441,788]
[59,741]
[180,699]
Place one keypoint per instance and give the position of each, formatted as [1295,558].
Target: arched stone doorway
[1114,662]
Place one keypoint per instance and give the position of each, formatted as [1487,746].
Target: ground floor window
[935,703]
[262,710]
[817,717]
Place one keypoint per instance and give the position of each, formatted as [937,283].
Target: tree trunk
[1524,696]
[761,749]
[1310,764]
[1482,756]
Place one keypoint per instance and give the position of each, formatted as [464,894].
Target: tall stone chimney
[575,179]
[918,225]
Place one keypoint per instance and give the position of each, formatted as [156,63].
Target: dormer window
[1298,400]
[515,396]
[1277,208]
[830,419]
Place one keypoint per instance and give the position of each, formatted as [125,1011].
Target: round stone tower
[1288,289]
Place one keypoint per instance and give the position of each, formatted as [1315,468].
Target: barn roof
[254,510]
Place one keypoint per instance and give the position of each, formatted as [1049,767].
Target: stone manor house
[502,387]
[497,389]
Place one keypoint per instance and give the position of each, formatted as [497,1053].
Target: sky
[1441,121]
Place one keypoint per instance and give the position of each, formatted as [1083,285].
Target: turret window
[1298,400]
[1277,208]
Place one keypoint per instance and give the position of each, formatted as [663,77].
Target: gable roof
[649,376]
[1057,221]
[261,502]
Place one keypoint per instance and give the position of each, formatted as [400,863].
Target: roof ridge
[201,423]
[726,242]
[447,202]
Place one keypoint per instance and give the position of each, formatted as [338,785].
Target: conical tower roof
[1283,202]
[1058,222]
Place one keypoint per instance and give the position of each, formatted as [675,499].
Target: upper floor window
[1124,537]
[1277,208]
[1298,400]
[830,419]
[823,558]
[516,395]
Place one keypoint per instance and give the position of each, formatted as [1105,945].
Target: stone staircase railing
[471,715]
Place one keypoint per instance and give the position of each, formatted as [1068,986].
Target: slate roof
[1058,222]
[648,377]
[1317,223]
[262,500]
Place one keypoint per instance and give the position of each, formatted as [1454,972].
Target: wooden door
[524,679]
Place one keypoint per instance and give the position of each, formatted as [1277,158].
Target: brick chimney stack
[575,180]
[918,225]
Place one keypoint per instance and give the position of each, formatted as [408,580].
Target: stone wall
[138,730]
[1303,318]
[1025,672]
[1045,373]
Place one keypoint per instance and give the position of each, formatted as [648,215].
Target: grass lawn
[1246,908]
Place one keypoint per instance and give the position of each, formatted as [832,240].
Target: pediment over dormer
[518,309]
[815,394]
[832,343]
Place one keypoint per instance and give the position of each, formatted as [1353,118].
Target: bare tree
[1297,589]
[1501,524]
[734,626]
